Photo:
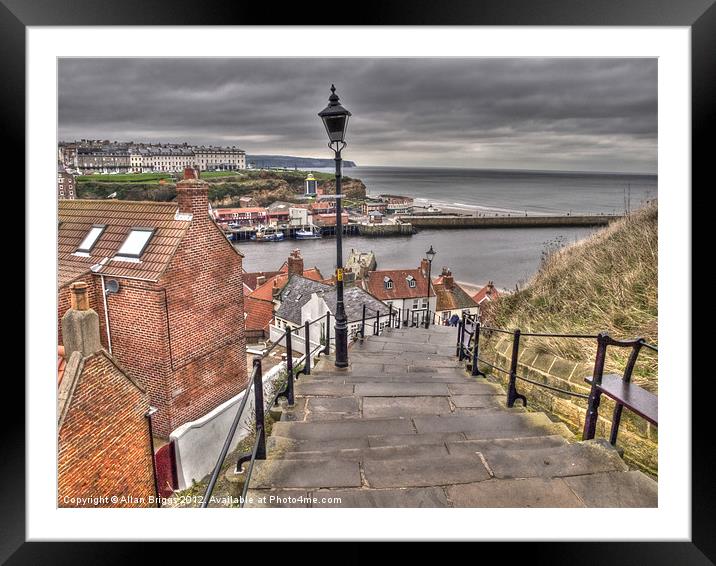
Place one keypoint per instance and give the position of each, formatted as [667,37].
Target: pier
[451,222]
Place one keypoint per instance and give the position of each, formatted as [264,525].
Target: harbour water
[506,256]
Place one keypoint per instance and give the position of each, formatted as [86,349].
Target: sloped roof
[251,278]
[488,293]
[353,300]
[374,283]
[258,313]
[296,293]
[76,217]
[265,291]
[452,299]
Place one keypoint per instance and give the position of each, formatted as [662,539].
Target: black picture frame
[699,15]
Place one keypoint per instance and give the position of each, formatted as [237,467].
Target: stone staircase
[405,426]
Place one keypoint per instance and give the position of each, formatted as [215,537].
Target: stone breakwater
[445,221]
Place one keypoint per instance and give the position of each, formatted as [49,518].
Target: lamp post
[430,255]
[335,119]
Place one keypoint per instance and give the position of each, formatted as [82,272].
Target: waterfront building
[451,298]
[375,217]
[374,206]
[167,286]
[323,207]
[407,290]
[299,216]
[66,185]
[311,186]
[330,219]
[251,216]
[104,446]
[278,212]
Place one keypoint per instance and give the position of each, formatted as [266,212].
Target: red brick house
[167,286]
[104,441]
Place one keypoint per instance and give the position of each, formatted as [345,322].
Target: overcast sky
[565,114]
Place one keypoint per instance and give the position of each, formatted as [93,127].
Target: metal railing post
[512,394]
[307,359]
[289,367]
[617,415]
[476,353]
[458,347]
[590,421]
[390,316]
[376,323]
[362,323]
[327,349]
[259,409]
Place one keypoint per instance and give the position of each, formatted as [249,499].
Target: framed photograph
[465,339]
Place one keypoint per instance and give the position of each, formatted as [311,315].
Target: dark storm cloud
[589,114]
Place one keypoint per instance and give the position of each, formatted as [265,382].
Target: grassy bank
[607,282]
[225,187]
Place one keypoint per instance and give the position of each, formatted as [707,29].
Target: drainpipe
[148,416]
[106,316]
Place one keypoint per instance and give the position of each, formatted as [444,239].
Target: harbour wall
[444,221]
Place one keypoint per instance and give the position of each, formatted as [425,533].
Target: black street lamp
[430,255]
[335,119]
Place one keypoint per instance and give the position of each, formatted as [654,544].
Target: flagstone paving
[405,426]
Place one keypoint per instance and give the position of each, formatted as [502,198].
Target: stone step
[393,389]
[615,489]
[487,423]
[425,471]
[531,492]
[431,446]
[560,461]
[270,474]
[326,431]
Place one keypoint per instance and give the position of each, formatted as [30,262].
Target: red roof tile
[374,283]
[76,217]
[488,292]
[453,298]
[259,314]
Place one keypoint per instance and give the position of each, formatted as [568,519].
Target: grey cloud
[590,114]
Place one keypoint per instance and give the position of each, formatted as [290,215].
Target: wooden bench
[635,398]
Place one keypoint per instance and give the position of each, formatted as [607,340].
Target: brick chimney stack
[424,266]
[193,194]
[448,279]
[295,263]
[80,324]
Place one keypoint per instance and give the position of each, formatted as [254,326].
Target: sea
[509,256]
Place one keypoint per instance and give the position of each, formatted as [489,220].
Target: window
[136,242]
[411,281]
[388,282]
[91,238]
[415,303]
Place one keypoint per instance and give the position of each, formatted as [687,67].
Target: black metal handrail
[258,451]
[463,351]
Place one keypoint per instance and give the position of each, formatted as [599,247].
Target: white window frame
[88,248]
[137,255]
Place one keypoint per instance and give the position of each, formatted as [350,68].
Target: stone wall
[446,221]
[637,438]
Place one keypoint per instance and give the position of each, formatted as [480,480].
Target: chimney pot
[79,299]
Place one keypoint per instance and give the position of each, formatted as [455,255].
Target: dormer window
[91,238]
[411,281]
[136,242]
[388,282]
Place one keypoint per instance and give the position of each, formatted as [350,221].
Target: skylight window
[136,242]
[91,238]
